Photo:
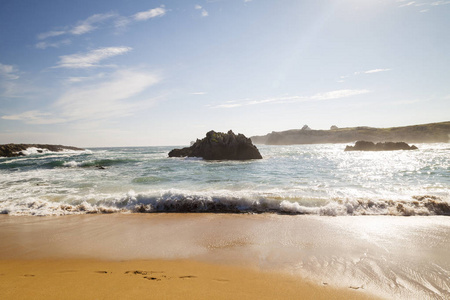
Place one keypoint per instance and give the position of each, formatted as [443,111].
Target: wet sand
[223,256]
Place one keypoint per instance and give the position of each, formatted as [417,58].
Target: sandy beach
[154,279]
[204,256]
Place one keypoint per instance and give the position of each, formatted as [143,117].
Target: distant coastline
[425,133]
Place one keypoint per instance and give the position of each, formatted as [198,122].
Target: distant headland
[425,133]
[12,150]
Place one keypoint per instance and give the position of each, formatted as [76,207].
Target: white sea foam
[34,150]
[218,202]
[72,164]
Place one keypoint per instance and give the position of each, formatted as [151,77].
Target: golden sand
[153,279]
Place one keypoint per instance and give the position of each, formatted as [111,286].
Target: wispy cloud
[198,93]
[408,4]
[107,99]
[72,80]
[82,26]
[429,3]
[34,117]
[45,45]
[376,71]
[91,58]
[338,94]
[88,25]
[9,72]
[113,97]
[204,12]
[43,36]
[94,22]
[372,71]
[148,14]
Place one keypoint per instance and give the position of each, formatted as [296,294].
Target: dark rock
[388,146]
[12,150]
[220,146]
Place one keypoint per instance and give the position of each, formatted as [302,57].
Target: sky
[148,73]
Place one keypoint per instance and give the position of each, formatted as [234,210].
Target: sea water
[299,179]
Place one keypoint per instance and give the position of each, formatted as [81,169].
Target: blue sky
[141,73]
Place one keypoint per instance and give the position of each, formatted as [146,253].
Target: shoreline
[370,256]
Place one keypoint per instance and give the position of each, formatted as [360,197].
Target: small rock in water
[388,146]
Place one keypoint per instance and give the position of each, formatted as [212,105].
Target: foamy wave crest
[71,164]
[39,207]
[174,201]
[419,205]
[35,151]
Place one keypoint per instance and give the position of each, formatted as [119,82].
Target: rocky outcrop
[220,146]
[388,146]
[12,150]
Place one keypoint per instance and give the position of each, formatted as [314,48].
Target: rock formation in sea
[12,150]
[220,146]
[388,146]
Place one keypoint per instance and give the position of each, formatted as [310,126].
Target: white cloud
[204,12]
[437,3]
[53,33]
[376,71]
[408,4]
[90,59]
[78,79]
[338,94]
[45,45]
[8,71]
[122,22]
[341,78]
[429,3]
[107,99]
[34,117]
[198,93]
[148,14]
[93,22]
[110,98]
[82,27]
[87,25]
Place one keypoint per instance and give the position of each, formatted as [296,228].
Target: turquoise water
[300,179]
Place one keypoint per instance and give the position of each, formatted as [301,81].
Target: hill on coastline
[425,133]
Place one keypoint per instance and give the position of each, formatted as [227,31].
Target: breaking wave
[180,202]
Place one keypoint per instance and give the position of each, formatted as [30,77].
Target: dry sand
[154,279]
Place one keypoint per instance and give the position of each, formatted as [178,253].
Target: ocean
[300,179]
[376,222]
